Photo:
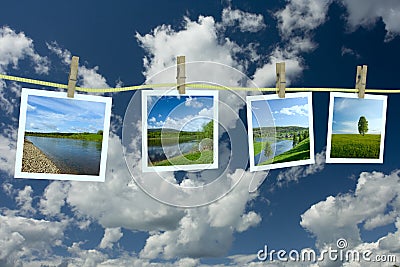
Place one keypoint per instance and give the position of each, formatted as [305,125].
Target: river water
[158,152]
[280,147]
[71,156]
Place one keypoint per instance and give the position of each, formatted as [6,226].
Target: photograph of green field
[358,134]
[180,132]
[290,141]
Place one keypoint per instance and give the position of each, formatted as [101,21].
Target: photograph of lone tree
[180,132]
[62,135]
[288,140]
[356,128]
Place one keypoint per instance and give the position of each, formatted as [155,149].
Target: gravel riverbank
[35,161]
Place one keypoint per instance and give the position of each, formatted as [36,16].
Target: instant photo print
[356,128]
[286,141]
[180,131]
[62,138]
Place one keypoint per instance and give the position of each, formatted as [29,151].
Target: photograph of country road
[286,142]
[356,128]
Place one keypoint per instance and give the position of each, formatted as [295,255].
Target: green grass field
[197,157]
[355,146]
[299,152]
[80,136]
[258,147]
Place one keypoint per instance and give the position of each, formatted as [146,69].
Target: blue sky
[115,223]
[50,114]
[187,113]
[347,112]
[286,112]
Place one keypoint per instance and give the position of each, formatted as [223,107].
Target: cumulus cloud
[8,146]
[205,231]
[362,13]
[299,17]
[246,22]
[17,46]
[111,235]
[24,238]
[24,201]
[294,174]
[53,198]
[296,23]
[295,110]
[343,215]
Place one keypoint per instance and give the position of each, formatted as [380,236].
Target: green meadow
[195,157]
[97,137]
[355,146]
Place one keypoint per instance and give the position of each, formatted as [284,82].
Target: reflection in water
[279,147]
[158,153]
[71,156]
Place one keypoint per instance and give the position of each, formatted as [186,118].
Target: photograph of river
[179,131]
[285,140]
[62,138]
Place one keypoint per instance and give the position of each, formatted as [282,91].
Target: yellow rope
[198,86]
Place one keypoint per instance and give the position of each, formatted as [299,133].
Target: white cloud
[24,238]
[206,231]
[294,174]
[111,235]
[114,204]
[63,54]
[54,198]
[349,51]
[247,22]
[266,74]
[87,77]
[295,23]
[299,17]
[343,215]
[90,78]
[24,201]
[17,46]
[193,102]
[364,13]
[295,110]
[8,146]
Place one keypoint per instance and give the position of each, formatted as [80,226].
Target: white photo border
[311,160]
[330,124]
[190,167]
[21,133]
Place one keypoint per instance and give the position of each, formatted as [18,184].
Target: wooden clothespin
[280,79]
[73,74]
[180,74]
[361,80]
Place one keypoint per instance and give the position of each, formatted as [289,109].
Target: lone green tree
[268,150]
[362,125]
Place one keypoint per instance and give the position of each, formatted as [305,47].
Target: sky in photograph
[347,112]
[285,112]
[51,114]
[123,43]
[183,113]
